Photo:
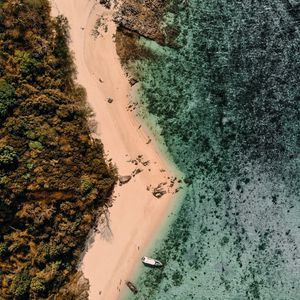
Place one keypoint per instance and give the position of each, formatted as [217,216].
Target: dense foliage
[52,174]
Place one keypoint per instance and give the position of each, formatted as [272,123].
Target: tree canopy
[53,176]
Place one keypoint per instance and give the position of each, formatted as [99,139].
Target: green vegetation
[7,98]
[53,178]
[8,157]
[35,145]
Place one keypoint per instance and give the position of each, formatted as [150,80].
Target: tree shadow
[104,228]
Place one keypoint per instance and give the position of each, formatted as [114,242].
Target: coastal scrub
[53,177]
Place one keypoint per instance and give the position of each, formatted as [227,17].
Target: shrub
[37,285]
[8,157]
[35,145]
[28,65]
[35,3]
[3,249]
[3,182]
[20,286]
[7,98]
[86,185]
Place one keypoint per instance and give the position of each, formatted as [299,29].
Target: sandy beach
[136,215]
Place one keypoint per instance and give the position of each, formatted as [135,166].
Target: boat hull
[150,262]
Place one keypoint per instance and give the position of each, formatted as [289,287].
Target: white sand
[136,214]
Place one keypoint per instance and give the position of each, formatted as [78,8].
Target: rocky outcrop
[159,191]
[129,48]
[105,3]
[133,81]
[124,179]
[146,19]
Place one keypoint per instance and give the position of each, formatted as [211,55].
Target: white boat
[151,262]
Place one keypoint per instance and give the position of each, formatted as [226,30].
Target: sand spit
[137,212]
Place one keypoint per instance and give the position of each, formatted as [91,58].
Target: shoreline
[136,217]
[157,239]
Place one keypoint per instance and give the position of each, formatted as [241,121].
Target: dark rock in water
[110,100]
[124,179]
[188,181]
[294,3]
[133,81]
[105,3]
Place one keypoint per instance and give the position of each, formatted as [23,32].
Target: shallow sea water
[228,104]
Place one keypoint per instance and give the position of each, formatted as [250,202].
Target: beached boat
[151,262]
[132,287]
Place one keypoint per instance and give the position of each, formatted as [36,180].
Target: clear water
[228,104]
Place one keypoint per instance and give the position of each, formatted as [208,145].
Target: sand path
[136,214]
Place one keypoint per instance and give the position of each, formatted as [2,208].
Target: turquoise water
[228,104]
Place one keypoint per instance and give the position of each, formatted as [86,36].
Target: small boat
[151,262]
[132,287]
